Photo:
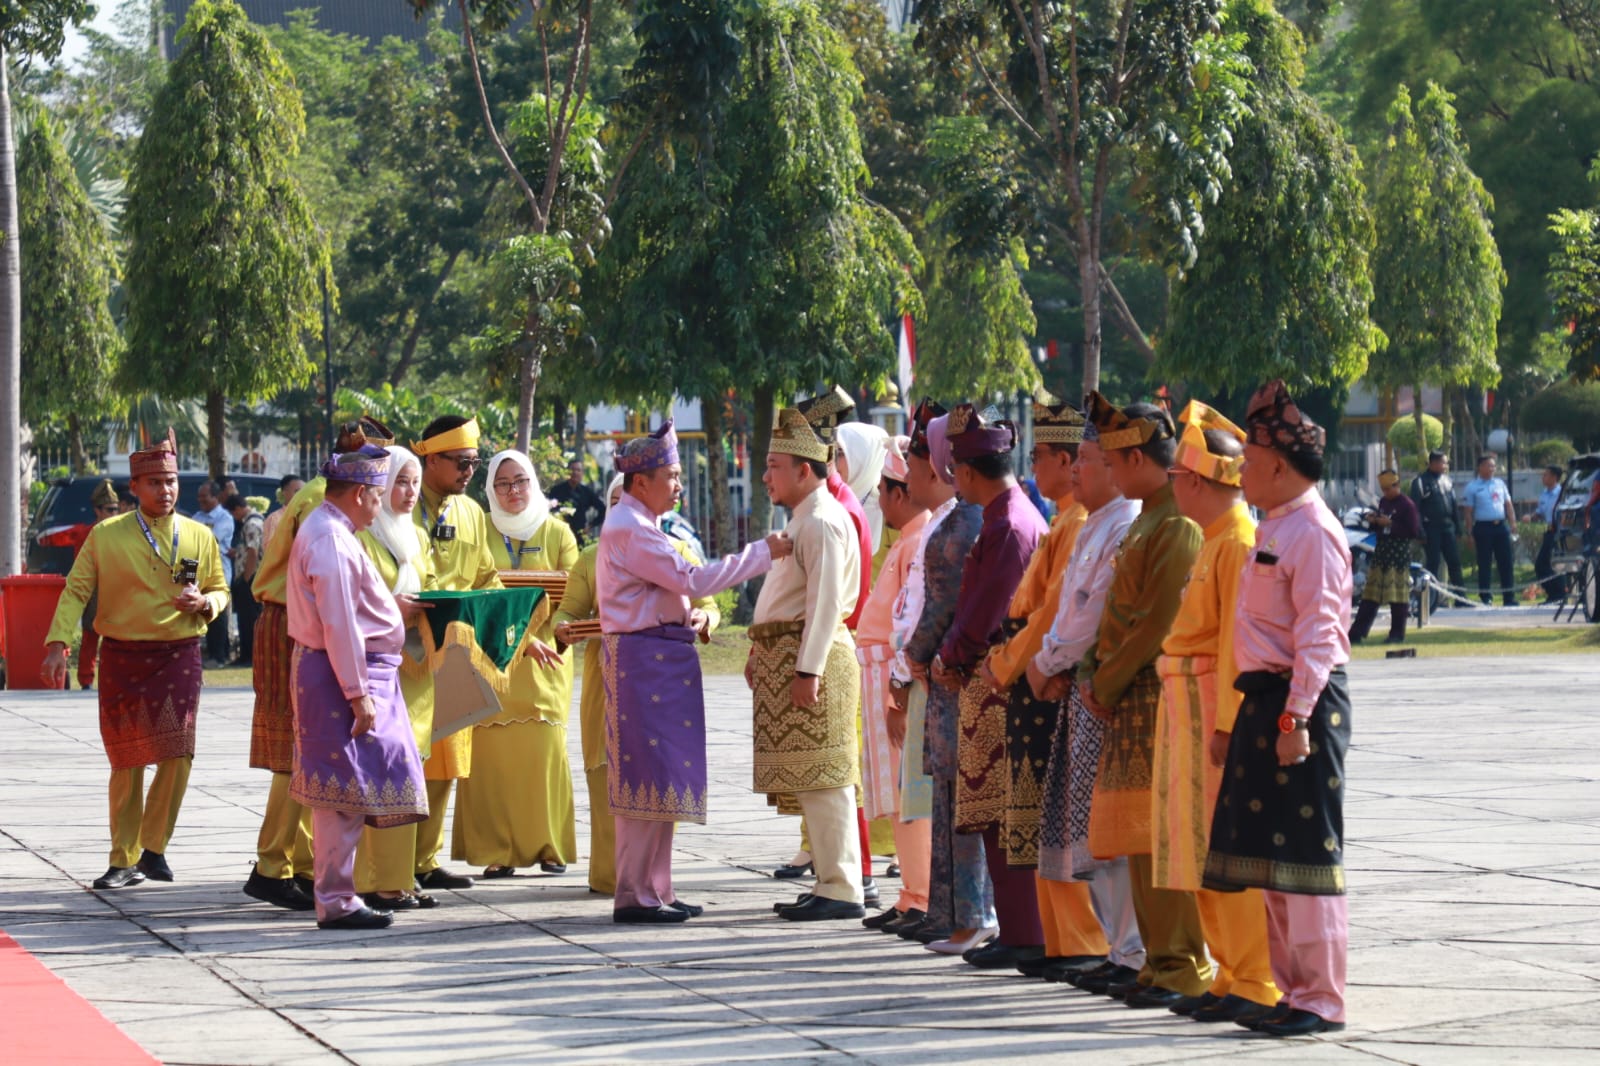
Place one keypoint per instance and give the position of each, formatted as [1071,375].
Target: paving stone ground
[1473,828]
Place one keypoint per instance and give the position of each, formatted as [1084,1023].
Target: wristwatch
[1288,723]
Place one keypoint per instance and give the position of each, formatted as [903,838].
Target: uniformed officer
[1435,498]
[1494,527]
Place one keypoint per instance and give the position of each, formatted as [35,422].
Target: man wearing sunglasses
[458,540]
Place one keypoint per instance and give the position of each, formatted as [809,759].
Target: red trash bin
[28,602]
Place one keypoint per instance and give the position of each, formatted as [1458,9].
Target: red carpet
[44,1021]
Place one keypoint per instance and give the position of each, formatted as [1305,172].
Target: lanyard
[435,523]
[151,539]
[514,556]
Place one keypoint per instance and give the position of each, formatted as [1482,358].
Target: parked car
[60,523]
[1577,546]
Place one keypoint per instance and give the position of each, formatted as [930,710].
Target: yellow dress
[517,807]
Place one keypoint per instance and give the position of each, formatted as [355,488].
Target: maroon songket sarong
[272,723]
[149,694]
[655,725]
[378,774]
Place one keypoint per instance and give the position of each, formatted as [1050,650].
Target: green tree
[1281,285]
[1571,409]
[1575,287]
[1436,270]
[69,341]
[28,29]
[225,257]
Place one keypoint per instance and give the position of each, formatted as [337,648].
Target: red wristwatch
[1288,723]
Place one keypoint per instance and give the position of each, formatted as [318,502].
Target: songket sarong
[1120,821]
[1282,827]
[916,787]
[149,695]
[1075,748]
[1185,789]
[982,781]
[880,788]
[272,722]
[799,749]
[655,725]
[1030,727]
[377,775]
[1389,576]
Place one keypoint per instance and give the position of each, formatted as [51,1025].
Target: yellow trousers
[602,834]
[1169,925]
[1235,925]
[283,847]
[386,859]
[1067,916]
[430,834]
[141,822]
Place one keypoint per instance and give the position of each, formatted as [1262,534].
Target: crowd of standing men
[1111,749]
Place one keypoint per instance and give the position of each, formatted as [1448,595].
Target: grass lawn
[1442,642]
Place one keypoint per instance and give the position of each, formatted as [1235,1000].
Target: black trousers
[217,638]
[246,610]
[1555,586]
[1493,541]
[1439,539]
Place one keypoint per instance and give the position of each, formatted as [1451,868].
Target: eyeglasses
[518,486]
[462,463]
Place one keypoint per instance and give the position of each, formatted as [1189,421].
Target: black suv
[51,536]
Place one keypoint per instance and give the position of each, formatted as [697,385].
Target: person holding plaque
[655,707]
[162,578]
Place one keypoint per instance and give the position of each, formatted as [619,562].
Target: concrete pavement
[1473,828]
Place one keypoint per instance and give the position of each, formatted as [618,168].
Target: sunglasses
[462,463]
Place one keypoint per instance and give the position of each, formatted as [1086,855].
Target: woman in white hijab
[862,450]
[516,808]
[386,859]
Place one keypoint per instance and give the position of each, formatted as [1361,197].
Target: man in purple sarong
[355,759]
[655,708]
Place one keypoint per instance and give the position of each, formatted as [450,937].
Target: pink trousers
[334,836]
[1308,938]
[644,863]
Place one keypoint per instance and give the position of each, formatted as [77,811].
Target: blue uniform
[1486,499]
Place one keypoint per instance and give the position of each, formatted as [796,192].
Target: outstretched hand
[779,545]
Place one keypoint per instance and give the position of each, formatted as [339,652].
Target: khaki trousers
[831,818]
[141,822]
[283,847]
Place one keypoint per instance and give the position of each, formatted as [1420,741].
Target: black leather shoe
[495,873]
[997,956]
[1189,1004]
[648,915]
[365,918]
[1035,967]
[883,918]
[1152,996]
[1276,1014]
[777,908]
[1062,970]
[409,901]
[279,891]
[119,877]
[154,866]
[870,896]
[1099,981]
[893,870]
[553,867]
[927,933]
[693,910]
[822,909]
[1232,1009]
[911,919]
[306,885]
[439,877]
[789,873]
[1300,1023]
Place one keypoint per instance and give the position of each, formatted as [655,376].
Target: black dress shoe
[408,901]
[1276,1014]
[648,915]
[893,870]
[789,873]
[365,918]
[822,909]
[494,873]
[801,898]
[927,933]
[279,891]
[1100,980]
[997,956]
[870,896]
[1232,1009]
[883,918]
[119,877]
[1299,1023]
[1189,1004]
[1152,996]
[1062,970]
[439,877]
[1035,967]
[553,867]
[154,866]
[306,885]
[693,910]
[909,920]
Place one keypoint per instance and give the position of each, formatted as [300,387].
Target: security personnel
[1494,528]
[1435,498]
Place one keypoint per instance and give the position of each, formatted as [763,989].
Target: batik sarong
[1069,793]
[981,783]
[272,721]
[377,775]
[880,788]
[798,749]
[655,725]
[1030,725]
[149,695]
[1120,821]
[1282,827]
[1185,787]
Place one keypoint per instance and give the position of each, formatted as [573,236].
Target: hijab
[865,447]
[398,532]
[523,525]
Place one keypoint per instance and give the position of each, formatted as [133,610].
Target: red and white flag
[908,362]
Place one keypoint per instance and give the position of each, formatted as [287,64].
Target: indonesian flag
[908,361]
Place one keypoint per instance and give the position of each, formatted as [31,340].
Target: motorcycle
[1362,540]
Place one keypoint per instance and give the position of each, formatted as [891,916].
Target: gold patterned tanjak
[824,411]
[1057,424]
[1117,430]
[793,435]
[1196,456]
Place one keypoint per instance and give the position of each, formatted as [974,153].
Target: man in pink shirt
[1279,821]
[655,707]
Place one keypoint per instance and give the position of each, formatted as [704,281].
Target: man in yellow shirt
[162,575]
[1198,705]
[458,544]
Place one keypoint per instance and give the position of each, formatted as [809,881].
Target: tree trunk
[1422,427]
[1089,287]
[408,350]
[529,382]
[717,468]
[80,461]
[761,417]
[1470,424]
[1447,415]
[12,490]
[216,435]
[558,421]
[580,428]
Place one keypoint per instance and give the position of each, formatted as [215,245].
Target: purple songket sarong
[655,725]
[378,774]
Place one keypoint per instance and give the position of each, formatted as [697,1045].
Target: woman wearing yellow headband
[1389,578]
